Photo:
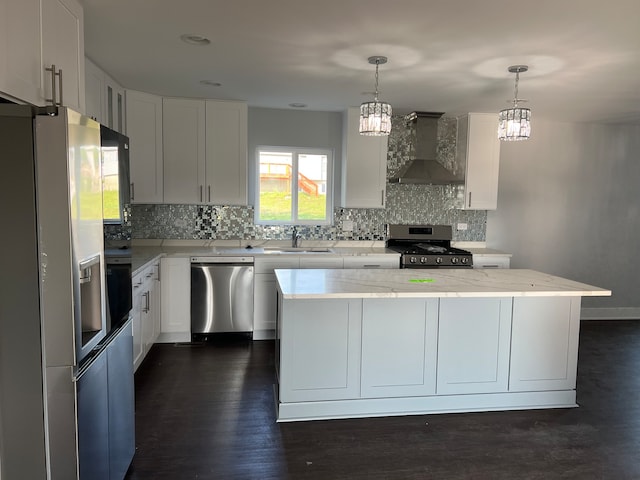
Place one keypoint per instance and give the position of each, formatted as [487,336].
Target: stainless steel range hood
[424,168]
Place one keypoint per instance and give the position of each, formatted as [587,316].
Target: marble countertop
[141,255]
[425,283]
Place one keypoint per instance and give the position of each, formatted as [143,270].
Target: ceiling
[444,55]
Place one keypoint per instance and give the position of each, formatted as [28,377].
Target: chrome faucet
[295,238]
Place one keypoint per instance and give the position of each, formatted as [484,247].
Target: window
[111,202]
[293,186]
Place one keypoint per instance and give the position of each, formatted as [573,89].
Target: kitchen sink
[297,250]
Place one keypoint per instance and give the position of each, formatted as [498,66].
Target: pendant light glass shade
[375,117]
[515,123]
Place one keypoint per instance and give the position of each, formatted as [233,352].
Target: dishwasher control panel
[221,259]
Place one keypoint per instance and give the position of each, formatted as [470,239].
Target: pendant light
[515,123]
[375,117]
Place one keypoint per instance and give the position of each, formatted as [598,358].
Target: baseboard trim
[616,313]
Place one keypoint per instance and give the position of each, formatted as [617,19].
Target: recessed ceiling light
[210,83]
[195,39]
[298,105]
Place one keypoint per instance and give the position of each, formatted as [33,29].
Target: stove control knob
[412,260]
[423,259]
[464,260]
[454,260]
[439,260]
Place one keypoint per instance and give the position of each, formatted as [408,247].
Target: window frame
[296,152]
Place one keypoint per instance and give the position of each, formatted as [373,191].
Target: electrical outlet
[462,226]
[347,226]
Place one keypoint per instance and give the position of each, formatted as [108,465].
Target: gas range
[426,246]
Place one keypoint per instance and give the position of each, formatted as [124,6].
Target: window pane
[276,169]
[110,185]
[312,183]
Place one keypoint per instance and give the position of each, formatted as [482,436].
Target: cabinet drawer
[493,261]
[268,265]
[372,261]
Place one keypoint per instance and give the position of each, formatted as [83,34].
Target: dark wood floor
[206,412]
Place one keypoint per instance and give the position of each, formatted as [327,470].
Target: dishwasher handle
[222,260]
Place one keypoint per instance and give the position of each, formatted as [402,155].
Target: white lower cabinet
[265,287]
[145,311]
[175,320]
[473,345]
[136,313]
[265,290]
[399,346]
[544,343]
[324,361]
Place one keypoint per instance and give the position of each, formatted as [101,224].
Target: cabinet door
[265,306]
[226,153]
[399,347]
[156,304]
[63,46]
[175,293]
[21,50]
[473,345]
[113,104]
[320,349]
[94,89]
[144,129]
[364,165]
[544,344]
[183,139]
[136,321]
[478,143]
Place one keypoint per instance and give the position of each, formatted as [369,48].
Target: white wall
[294,128]
[569,204]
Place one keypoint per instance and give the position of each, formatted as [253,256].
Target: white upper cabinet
[21,70]
[364,165]
[144,129]
[94,91]
[479,147]
[63,46]
[114,104]
[104,97]
[205,151]
[226,152]
[34,35]
[183,139]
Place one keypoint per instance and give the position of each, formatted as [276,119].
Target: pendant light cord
[375,98]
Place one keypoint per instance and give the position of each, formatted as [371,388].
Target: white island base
[363,343]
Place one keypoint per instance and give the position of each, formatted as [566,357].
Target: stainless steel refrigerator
[52,297]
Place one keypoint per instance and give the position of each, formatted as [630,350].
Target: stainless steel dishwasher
[221,295]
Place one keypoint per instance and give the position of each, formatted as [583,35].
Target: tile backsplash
[435,204]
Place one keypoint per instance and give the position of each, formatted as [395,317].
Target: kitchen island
[363,343]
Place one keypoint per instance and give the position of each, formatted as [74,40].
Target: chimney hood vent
[424,168]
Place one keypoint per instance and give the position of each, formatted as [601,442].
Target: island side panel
[544,343]
[473,345]
[319,343]
[399,347]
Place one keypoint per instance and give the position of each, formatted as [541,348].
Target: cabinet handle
[54,74]
[469,199]
[146,302]
[157,273]
[60,86]
[382,197]
[209,193]
[133,192]
[201,193]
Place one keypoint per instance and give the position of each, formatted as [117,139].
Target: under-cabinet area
[356,344]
